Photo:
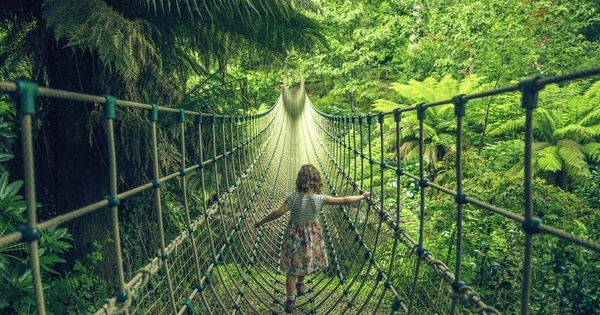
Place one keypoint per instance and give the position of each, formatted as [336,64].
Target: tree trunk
[71,160]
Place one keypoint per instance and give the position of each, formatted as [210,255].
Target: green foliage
[14,266]
[566,132]
[150,41]
[127,46]
[439,124]
[591,191]
[561,269]
[365,40]
[80,289]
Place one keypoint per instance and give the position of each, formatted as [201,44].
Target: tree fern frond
[414,91]
[593,92]
[382,105]
[593,117]
[538,146]
[543,124]
[507,127]
[127,45]
[573,155]
[407,147]
[548,159]
[471,84]
[429,132]
[445,112]
[577,132]
[592,150]
[446,88]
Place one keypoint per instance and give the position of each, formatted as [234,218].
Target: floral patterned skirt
[303,249]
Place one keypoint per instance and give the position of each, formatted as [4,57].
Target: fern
[161,36]
[543,125]
[548,159]
[381,105]
[593,118]
[124,45]
[592,150]
[577,132]
[593,92]
[507,127]
[574,157]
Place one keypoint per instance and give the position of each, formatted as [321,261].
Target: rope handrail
[337,128]
[219,263]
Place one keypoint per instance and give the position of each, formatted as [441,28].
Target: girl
[303,247]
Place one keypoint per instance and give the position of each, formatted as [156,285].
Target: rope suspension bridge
[244,167]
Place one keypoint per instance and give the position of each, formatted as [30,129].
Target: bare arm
[346,200]
[273,215]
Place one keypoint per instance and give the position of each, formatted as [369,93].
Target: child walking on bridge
[303,247]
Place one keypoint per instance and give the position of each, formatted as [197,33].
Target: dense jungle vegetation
[356,57]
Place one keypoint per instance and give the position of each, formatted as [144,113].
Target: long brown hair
[309,179]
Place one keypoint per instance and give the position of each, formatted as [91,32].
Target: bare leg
[290,284]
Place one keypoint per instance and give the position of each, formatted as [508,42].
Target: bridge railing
[350,142]
[223,147]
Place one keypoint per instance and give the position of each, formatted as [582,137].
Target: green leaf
[6,156]
[549,159]
[12,189]
[3,184]
[572,153]
[592,150]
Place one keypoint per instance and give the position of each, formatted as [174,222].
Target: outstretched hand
[366,195]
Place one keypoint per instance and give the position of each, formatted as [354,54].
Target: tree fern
[592,150]
[122,44]
[506,127]
[593,92]
[593,118]
[548,159]
[574,158]
[382,105]
[543,125]
[578,132]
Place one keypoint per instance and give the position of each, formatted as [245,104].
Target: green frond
[592,118]
[579,175]
[448,141]
[592,150]
[543,124]
[445,112]
[124,45]
[538,146]
[573,155]
[382,105]
[507,127]
[577,132]
[548,159]
[593,92]
[409,150]
[446,88]
[429,132]
[446,125]
[416,91]
[472,84]
[390,142]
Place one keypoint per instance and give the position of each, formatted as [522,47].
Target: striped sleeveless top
[305,208]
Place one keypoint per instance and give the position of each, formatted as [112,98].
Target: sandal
[289,306]
[300,289]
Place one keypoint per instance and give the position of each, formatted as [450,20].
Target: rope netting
[234,170]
